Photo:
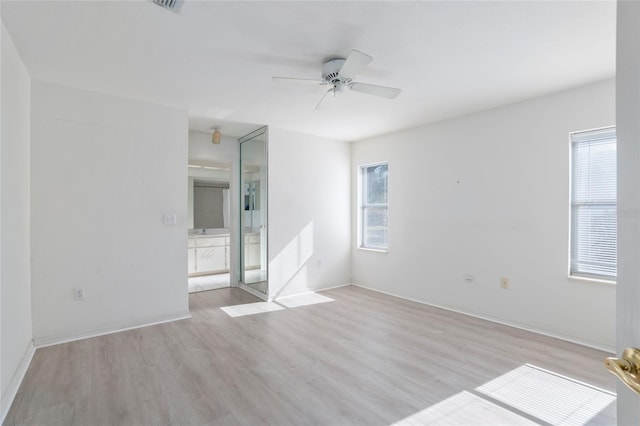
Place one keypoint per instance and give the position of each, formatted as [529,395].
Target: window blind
[593,204]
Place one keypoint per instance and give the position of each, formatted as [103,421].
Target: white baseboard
[308,290]
[42,342]
[9,394]
[333,287]
[571,339]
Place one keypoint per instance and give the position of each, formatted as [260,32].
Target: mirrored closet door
[253,211]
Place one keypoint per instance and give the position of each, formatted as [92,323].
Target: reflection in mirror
[253,164]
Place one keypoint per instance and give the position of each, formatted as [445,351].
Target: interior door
[628,135]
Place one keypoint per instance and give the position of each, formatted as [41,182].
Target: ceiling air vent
[173,5]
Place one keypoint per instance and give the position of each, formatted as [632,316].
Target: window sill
[374,249]
[593,280]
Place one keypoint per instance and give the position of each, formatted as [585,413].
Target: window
[374,206]
[593,204]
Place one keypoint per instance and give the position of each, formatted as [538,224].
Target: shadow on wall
[289,267]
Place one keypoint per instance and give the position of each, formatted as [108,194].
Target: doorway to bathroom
[227,209]
[209,240]
[212,241]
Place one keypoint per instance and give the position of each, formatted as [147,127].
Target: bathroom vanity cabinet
[208,254]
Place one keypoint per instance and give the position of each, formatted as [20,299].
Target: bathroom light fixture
[215,138]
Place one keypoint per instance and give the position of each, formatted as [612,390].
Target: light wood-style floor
[365,359]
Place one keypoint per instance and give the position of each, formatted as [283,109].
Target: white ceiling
[216,58]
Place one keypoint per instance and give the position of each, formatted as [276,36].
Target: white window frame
[579,264]
[362,206]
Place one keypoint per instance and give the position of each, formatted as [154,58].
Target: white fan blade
[322,98]
[372,89]
[297,80]
[354,63]
[332,91]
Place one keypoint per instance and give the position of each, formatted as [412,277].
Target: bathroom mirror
[210,204]
[209,197]
[253,211]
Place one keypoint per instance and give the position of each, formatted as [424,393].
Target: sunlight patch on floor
[466,409]
[548,396]
[303,300]
[251,309]
[527,395]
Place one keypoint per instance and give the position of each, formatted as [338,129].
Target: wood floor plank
[364,359]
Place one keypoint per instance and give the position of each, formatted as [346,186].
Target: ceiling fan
[340,74]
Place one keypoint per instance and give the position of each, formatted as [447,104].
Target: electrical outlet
[170,218]
[78,294]
[504,283]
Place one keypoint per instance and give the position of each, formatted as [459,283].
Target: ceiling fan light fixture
[216,137]
[172,5]
[340,73]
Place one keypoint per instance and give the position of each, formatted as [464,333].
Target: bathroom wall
[201,148]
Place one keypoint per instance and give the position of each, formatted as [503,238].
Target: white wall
[104,170]
[15,287]
[309,213]
[488,194]
[628,132]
